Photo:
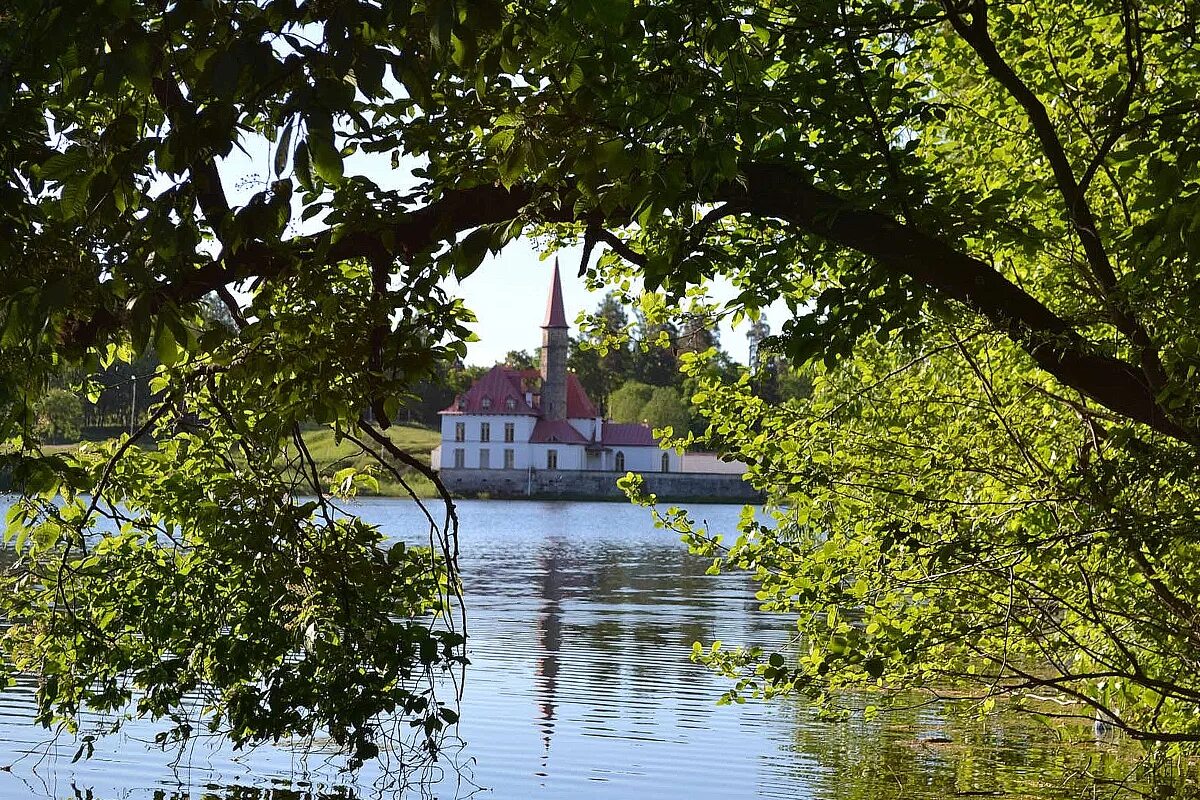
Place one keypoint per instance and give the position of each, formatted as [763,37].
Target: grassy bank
[330,457]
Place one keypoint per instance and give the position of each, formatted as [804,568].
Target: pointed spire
[555,316]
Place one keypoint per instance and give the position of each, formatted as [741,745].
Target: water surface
[581,618]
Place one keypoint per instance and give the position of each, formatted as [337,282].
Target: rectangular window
[460,458]
[460,431]
[485,432]
[551,459]
[510,458]
[485,459]
[510,432]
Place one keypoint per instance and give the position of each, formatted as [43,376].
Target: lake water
[581,618]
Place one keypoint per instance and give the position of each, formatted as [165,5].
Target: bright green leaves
[325,156]
[302,623]
[118,216]
[923,510]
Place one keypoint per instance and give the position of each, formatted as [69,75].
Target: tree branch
[780,191]
[975,33]
[784,192]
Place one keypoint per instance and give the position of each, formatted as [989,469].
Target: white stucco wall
[643,459]
[472,444]
[710,464]
[570,456]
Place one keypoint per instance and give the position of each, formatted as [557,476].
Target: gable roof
[558,430]
[578,403]
[627,434]
[491,393]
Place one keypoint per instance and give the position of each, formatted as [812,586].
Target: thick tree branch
[975,32]
[784,192]
[779,191]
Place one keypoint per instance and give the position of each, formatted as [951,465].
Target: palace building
[543,419]
[536,432]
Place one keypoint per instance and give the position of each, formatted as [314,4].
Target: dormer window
[485,403]
[510,403]
[462,404]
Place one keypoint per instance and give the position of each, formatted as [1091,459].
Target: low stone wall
[695,487]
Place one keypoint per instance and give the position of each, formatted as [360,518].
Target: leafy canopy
[981,216]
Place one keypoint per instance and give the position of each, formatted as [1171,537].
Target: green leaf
[471,252]
[282,150]
[326,158]
[302,165]
[165,346]
[61,166]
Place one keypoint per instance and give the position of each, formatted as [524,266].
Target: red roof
[500,384]
[627,434]
[578,403]
[555,316]
[499,391]
[558,430]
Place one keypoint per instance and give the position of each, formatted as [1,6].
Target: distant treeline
[629,369]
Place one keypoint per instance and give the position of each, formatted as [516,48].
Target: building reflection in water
[549,633]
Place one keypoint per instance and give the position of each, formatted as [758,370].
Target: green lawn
[331,457]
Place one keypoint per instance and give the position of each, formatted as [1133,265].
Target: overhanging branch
[779,191]
[784,192]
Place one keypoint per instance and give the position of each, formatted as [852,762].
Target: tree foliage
[982,222]
[178,568]
[59,416]
[657,406]
[666,409]
[627,402]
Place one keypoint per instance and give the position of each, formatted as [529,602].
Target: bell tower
[554,353]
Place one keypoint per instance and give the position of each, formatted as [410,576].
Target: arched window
[619,462]
[666,462]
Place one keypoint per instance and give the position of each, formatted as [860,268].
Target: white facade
[467,448]
[504,421]
[469,436]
